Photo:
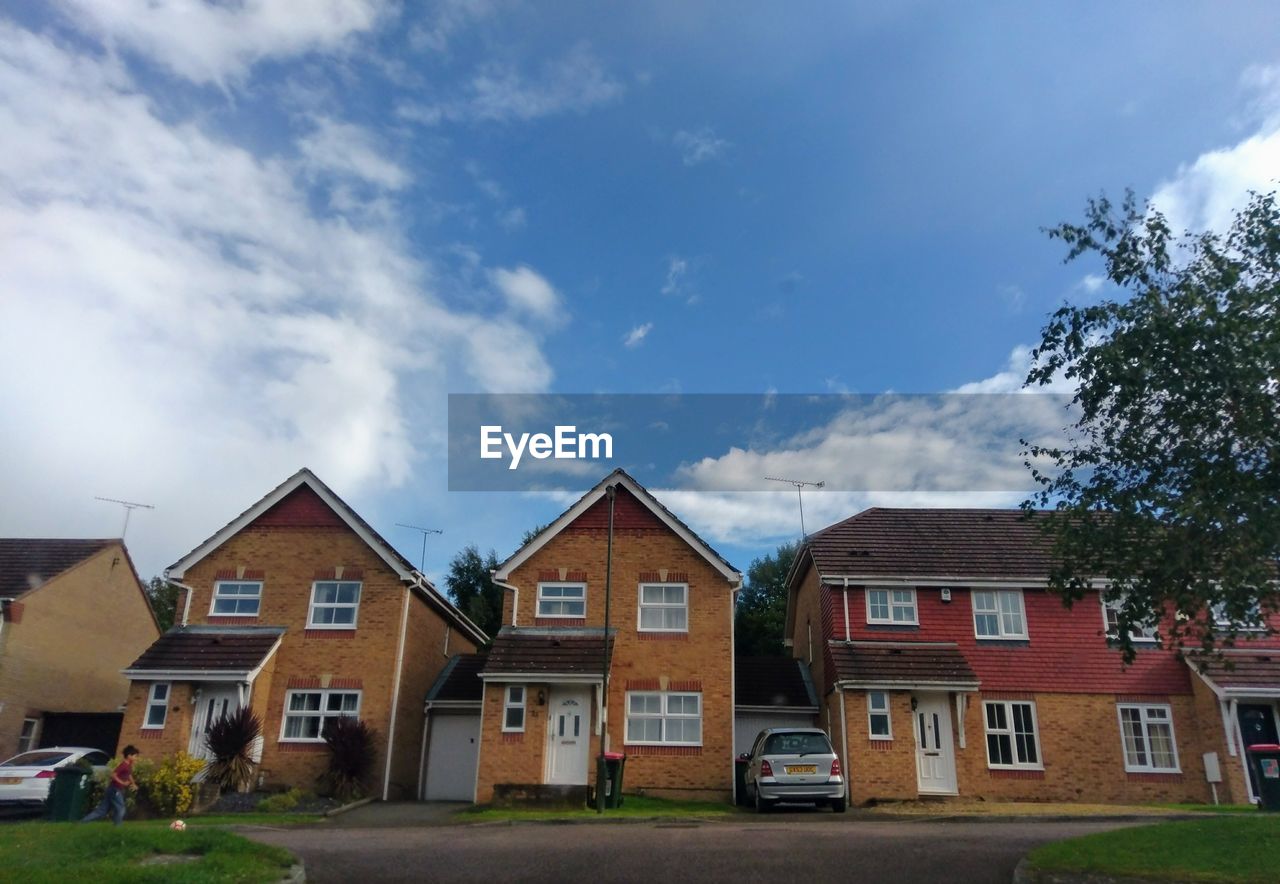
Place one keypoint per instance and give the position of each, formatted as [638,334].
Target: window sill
[1153,776]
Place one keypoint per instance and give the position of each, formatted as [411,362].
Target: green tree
[1169,485]
[472,589]
[532,533]
[163,597]
[761,616]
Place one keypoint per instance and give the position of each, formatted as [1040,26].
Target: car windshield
[37,759]
[797,744]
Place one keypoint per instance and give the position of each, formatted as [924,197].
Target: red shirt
[122,776]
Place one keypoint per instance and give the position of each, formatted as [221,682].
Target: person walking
[121,779]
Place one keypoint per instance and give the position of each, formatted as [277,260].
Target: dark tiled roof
[26,563]
[934,543]
[210,648]
[459,681]
[772,681]
[1236,669]
[901,663]
[533,650]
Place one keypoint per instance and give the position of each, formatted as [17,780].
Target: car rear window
[36,759]
[797,744]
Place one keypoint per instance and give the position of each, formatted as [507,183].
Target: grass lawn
[101,852]
[1221,849]
[1210,808]
[633,807]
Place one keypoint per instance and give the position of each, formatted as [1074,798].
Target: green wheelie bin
[614,764]
[69,793]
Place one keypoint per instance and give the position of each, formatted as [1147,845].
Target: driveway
[770,849]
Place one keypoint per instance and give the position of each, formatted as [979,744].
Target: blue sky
[239,240]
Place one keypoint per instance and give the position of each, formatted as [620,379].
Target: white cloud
[1092,283]
[512,219]
[699,146]
[527,292]
[677,282]
[636,336]
[444,20]
[175,312]
[218,43]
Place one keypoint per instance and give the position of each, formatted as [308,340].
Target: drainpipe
[601,770]
[395,697]
[844,742]
[845,596]
[515,597]
[187,592]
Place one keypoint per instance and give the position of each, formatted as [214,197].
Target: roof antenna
[129,507]
[422,562]
[799,486]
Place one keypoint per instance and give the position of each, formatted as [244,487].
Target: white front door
[935,752]
[216,700]
[569,720]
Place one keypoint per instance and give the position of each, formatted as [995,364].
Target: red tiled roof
[906,663]
[533,650]
[26,563]
[209,649]
[1241,670]
[934,543]
[780,682]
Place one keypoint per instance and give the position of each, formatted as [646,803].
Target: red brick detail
[515,737]
[692,684]
[302,508]
[880,745]
[664,636]
[1009,695]
[1016,774]
[1153,777]
[302,747]
[255,574]
[352,573]
[684,751]
[548,576]
[304,681]
[628,514]
[151,733]
[213,620]
[1142,698]
[347,684]
[576,576]
[559,621]
[225,574]
[329,633]
[643,684]
[325,574]
[656,577]
[13,612]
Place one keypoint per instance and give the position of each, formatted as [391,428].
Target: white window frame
[1144,721]
[561,585]
[1012,733]
[1149,634]
[873,713]
[663,715]
[892,603]
[1217,613]
[663,606]
[27,738]
[509,704]
[153,702]
[314,606]
[1002,634]
[217,587]
[322,713]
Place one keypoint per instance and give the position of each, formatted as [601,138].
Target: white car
[25,778]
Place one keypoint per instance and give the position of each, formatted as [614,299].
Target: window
[307,711]
[1111,617]
[664,607]
[998,614]
[513,708]
[27,738]
[236,598]
[1011,735]
[1147,734]
[157,705]
[878,715]
[1249,619]
[659,718]
[562,600]
[334,604]
[893,606]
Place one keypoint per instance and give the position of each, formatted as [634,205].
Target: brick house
[945,667]
[72,614]
[668,653]
[300,610]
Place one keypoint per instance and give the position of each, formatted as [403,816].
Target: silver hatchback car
[794,764]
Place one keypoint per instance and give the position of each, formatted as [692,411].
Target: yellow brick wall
[75,634]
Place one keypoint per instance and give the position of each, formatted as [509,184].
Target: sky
[240,238]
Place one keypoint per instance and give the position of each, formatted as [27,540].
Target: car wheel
[762,805]
[839,804]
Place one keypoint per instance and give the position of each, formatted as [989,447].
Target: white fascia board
[956,581]
[539,677]
[188,675]
[965,686]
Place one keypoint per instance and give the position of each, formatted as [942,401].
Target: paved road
[771,849]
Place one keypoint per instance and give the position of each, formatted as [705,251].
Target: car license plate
[801,768]
[10,781]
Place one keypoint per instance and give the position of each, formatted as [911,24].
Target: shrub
[142,769]
[351,757]
[171,786]
[282,803]
[231,740]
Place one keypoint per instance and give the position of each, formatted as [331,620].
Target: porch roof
[459,681]
[773,683]
[903,665]
[1241,673]
[539,651]
[213,651]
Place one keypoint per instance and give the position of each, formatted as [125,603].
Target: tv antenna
[422,561]
[799,486]
[129,507]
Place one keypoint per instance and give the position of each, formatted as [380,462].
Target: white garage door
[751,723]
[451,757]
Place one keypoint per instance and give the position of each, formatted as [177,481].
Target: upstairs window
[664,607]
[334,604]
[157,705]
[236,598]
[1251,619]
[896,607]
[998,614]
[513,708]
[1111,617]
[562,600]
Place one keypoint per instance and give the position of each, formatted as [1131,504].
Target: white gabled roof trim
[588,500]
[542,677]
